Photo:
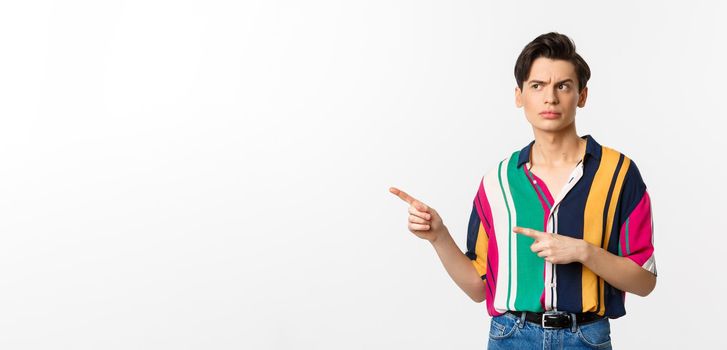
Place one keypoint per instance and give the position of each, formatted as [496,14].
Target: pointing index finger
[401,194]
[409,199]
[534,234]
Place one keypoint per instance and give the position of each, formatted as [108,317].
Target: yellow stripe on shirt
[593,222]
[481,251]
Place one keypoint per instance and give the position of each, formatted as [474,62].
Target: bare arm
[426,223]
[459,267]
[620,272]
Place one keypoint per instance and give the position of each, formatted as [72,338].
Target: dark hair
[554,46]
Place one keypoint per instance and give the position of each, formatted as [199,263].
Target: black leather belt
[557,319]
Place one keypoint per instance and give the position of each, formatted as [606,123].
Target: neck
[557,149]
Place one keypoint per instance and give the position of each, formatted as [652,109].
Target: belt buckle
[552,315]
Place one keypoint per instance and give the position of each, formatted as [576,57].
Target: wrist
[438,236]
[587,252]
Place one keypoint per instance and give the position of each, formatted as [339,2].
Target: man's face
[551,87]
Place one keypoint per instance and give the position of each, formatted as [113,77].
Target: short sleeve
[477,238]
[636,237]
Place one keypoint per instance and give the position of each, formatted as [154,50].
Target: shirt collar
[593,148]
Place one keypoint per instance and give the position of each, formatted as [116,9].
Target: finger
[534,234]
[418,220]
[401,194]
[536,247]
[409,199]
[418,227]
[421,206]
[542,254]
[414,211]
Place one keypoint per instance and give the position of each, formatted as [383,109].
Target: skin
[552,85]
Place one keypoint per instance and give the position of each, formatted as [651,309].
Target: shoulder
[502,164]
[625,164]
[633,187]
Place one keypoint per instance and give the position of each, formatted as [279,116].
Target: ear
[582,97]
[518,97]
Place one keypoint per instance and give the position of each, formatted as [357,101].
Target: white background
[214,175]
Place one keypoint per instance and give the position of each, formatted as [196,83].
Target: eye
[563,86]
[534,86]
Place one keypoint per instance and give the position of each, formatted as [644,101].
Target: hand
[424,221]
[555,248]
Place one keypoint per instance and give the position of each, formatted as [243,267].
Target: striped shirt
[604,202]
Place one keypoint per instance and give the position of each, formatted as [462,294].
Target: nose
[551,97]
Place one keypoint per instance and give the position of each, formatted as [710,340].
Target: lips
[549,114]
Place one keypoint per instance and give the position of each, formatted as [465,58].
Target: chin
[551,125]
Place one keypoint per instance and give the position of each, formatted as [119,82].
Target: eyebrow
[560,82]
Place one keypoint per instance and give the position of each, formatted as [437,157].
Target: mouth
[550,115]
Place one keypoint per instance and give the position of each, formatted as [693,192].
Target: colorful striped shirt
[604,202]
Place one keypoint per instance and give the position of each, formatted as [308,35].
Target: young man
[560,229]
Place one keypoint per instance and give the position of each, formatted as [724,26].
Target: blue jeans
[511,332]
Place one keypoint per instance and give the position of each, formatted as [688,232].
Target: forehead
[546,68]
